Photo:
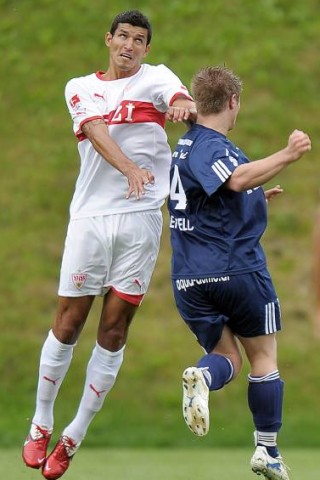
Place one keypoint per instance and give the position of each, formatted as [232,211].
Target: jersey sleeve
[212,164]
[166,88]
[80,104]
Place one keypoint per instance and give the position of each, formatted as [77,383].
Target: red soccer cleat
[35,447]
[59,459]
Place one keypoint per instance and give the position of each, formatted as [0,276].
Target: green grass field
[160,464]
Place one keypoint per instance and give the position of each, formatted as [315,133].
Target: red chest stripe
[129,112]
[135,112]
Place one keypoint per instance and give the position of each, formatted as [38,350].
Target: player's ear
[147,50]
[233,101]
[108,38]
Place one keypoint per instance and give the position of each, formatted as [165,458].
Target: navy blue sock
[265,397]
[273,451]
[220,370]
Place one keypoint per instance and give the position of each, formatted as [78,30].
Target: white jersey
[134,111]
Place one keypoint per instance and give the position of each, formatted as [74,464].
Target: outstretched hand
[273,192]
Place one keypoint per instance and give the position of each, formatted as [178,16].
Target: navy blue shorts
[247,303]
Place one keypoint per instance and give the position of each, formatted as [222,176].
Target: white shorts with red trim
[113,251]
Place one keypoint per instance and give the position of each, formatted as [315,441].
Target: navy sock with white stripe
[217,370]
[265,397]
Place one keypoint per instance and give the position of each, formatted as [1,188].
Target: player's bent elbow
[235,184]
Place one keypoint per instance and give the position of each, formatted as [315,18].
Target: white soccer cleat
[195,403]
[272,468]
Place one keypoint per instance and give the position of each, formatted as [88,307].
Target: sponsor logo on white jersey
[76,104]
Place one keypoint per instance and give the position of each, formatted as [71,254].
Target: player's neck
[114,73]
[216,122]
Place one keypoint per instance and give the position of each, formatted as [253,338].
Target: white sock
[267,439]
[102,371]
[54,363]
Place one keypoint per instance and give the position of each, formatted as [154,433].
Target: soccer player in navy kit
[221,284]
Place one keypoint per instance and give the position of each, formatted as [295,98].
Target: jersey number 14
[176,190]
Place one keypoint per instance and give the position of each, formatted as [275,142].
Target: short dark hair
[134,18]
[212,88]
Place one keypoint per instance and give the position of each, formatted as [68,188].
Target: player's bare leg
[102,370]
[55,360]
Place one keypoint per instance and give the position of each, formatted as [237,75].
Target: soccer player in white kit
[115,225]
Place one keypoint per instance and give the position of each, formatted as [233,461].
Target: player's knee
[112,337]
[67,332]
[237,361]
[69,323]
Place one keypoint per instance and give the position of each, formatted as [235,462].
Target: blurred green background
[274,46]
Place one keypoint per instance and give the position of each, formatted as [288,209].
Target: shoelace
[37,433]
[282,463]
[69,445]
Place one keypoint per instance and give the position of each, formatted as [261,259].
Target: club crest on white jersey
[79,279]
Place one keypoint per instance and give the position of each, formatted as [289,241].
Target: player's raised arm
[254,174]
[97,132]
[182,110]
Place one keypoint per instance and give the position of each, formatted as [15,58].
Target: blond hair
[212,87]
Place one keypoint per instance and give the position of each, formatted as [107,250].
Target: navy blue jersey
[214,231]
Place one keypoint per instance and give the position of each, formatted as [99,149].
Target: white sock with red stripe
[102,372]
[54,363]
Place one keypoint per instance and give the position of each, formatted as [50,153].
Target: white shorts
[118,251]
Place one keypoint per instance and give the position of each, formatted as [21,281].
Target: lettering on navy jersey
[185,141]
[251,190]
[181,155]
[233,157]
[183,284]
[183,224]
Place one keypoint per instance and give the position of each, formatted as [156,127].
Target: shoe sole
[195,409]
[262,470]
[29,465]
